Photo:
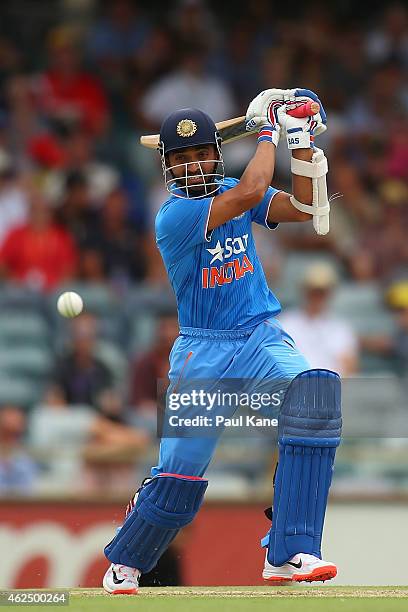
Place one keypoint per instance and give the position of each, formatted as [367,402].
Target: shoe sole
[276,581]
[319,574]
[132,591]
[122,591]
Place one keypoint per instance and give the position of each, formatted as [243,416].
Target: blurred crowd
[79,84]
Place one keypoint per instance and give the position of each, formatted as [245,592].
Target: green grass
[244,604]
[242,599]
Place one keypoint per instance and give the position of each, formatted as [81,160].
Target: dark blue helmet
[187,127]
[190,127]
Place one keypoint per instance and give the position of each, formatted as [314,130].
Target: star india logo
[232,246]
[186,128]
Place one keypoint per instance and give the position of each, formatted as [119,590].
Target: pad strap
[315,168]
[311,209]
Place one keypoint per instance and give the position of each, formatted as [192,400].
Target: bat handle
[305,110]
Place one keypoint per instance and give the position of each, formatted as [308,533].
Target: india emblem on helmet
[186,128]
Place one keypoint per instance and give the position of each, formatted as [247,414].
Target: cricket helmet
[190,127]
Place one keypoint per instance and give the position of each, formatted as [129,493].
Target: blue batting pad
[309,432]
[164,505]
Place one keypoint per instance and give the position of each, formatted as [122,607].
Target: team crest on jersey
[186,128]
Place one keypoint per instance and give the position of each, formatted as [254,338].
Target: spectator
[13,198]
[114,447]
[397,155]
[80,376]
[66,91]
[384,242]
[154,59]
[92,268]
[397,299]
[357,212]
[11,59]
[79,151]
[76,212]
[152,366]
[277,66]
[192,21]
[120,246]
[325,341]
[346,68]
[23,120]
[189,85]
[394,346]
[40,254]
[102,445]
[236,64]
[118,35]
[18,471]
[384,96]
[390,40]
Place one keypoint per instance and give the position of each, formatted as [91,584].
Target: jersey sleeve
[259,213]
[182,224]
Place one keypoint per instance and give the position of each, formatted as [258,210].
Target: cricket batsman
[228,330]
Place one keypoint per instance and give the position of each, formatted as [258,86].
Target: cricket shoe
[300,568]
[121,580]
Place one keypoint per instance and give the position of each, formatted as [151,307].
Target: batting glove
[299,133]
[258,110]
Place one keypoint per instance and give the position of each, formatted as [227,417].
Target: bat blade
[234,129]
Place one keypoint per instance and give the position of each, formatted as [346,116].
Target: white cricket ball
[70,304]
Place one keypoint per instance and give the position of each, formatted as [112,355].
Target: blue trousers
[266,352]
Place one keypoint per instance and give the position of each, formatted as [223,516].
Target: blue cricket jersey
[217,276]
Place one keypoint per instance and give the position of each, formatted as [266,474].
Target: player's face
[200,165]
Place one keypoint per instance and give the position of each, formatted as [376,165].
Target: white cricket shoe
[300,568]
[121,580]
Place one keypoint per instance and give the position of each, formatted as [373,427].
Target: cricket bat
[234,129]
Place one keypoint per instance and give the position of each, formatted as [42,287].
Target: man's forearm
[259,172]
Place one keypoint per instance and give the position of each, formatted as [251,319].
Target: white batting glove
[299,133]
[258,111]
